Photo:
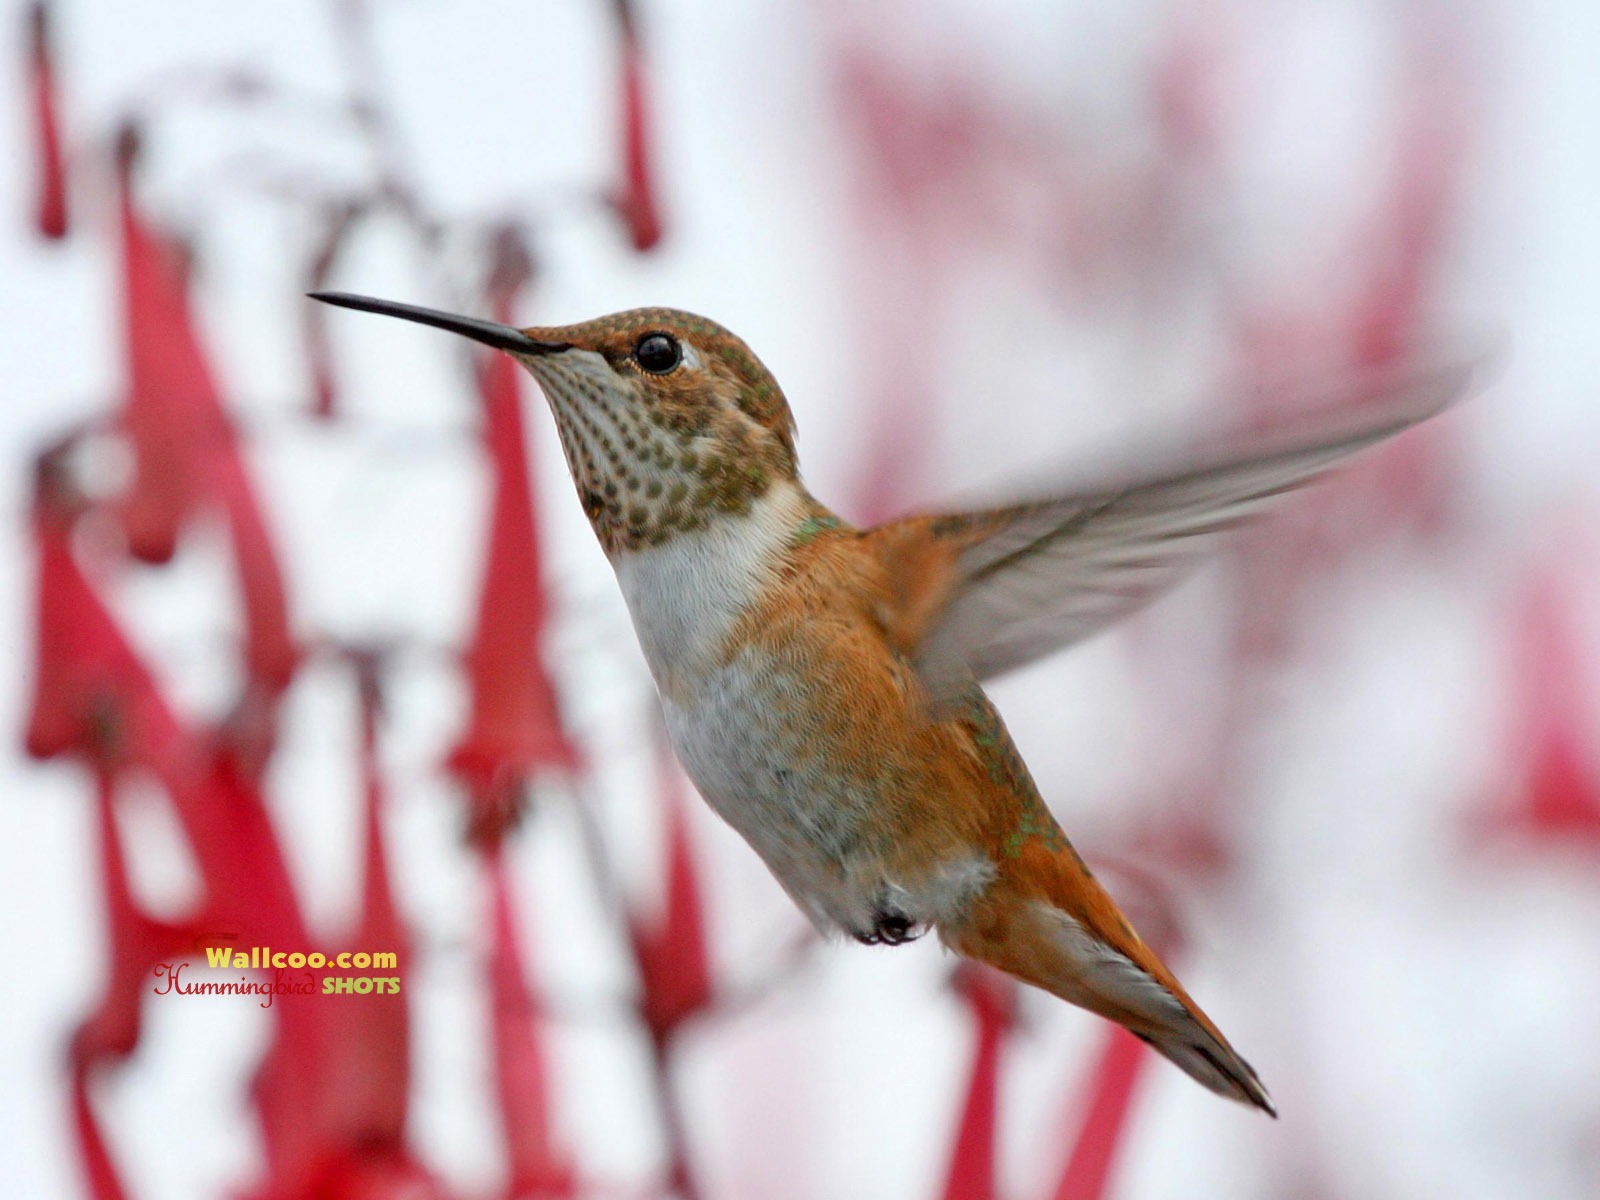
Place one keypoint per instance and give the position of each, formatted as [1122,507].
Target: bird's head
[666,418]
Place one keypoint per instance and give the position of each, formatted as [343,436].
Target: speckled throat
[651,459]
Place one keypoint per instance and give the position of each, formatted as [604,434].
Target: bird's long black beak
[490,333]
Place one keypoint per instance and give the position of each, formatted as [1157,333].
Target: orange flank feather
[956,822]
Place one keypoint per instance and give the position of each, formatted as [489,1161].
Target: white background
[1424,1010]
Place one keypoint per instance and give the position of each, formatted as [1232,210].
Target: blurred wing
[979,593]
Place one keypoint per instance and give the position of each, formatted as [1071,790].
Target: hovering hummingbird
[821,683]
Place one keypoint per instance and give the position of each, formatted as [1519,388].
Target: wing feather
[991,590]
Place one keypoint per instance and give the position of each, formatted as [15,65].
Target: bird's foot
[890,927]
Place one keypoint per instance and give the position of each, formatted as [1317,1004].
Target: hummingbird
[822,683]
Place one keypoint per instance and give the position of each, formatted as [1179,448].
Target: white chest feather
[686,595]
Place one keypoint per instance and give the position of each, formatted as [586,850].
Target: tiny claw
[890,927]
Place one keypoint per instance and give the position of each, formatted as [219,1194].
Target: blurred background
[315,650]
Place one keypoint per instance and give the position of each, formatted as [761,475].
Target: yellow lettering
[217,956]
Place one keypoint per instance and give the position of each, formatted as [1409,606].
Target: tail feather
[1088,955]
[1224,1073]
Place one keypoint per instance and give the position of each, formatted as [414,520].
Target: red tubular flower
[636,203]
[92,696]
[185,453]
[992,999]
[95,698]
[313,317]
[1559,792]
[169,382]
[671,953]
[50,213]
[248,886]
[1406,243]
[536,1164]
[515,728]
[270,653]
[370,1084]
[99,1171]
[138,943]
[371,1174]
[1406,248]
[319,359]
[333,1090]
[290,1091]
[139,946]
[1105,1119]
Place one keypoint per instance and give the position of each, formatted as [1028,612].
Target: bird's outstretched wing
[979,593]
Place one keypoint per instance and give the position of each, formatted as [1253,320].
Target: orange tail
[1048,922]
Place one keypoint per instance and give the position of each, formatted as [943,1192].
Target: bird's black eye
[658,353]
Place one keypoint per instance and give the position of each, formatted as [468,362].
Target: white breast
[686,595]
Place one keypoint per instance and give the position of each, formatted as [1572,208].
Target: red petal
[168,383]
[637,202]
[95,698]
[515,728]
[537,1165]
[333,1090]
[289,1093]
[1403,249]
[370,1081]
[972,1162]
[50,213]
[270,653]
[184,449]
[319,358]
[241,861]
[137,943]
[314,325]
[1559,795]
[671,953]
[100,1172]
[371,1173]
[92,696]
[1105,1119]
